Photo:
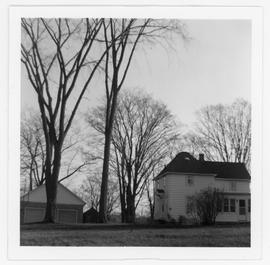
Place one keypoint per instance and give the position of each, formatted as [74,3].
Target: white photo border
[17,252]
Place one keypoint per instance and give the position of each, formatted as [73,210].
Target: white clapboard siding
[227,217]
[177,191]
[226,185]
[160,209]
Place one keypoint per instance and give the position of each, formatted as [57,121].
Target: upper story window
[189,180]
[233,185]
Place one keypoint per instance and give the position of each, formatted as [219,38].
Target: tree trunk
[122,196]
[151,204]
[152,212]
[104,183]
[51,191]
[106,160]
[131,213]
[31,180]
[130,218]
[123,208]
[123,215]
[51,186]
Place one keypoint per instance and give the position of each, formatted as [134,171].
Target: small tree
[204,206]
[89,191]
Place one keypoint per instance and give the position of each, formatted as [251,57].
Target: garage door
[32,215]
[67,216]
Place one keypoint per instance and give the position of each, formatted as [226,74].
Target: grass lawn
[106,235]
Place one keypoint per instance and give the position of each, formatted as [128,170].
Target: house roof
[186,163]
[64,196]
[91,211]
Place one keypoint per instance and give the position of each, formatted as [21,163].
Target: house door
[242,210]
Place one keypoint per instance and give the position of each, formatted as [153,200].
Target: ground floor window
[229,205]
[232,205]
[226,205]
[219,206]
[242,207]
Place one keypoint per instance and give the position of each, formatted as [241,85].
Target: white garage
[33,214]
[67,215]
[69,207]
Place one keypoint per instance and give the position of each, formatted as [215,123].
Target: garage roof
[64,196]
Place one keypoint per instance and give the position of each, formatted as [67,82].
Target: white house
[185,175]
[69,207]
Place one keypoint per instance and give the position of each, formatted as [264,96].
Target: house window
[189,181]
[226,205]
[249,205]
[242,207]
[219,206]
[233,185]
[232,205]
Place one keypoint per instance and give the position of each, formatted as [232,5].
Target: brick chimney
[201,157]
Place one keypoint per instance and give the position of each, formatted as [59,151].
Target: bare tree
[223,132]
[142,136]
[90,192]
[33,152]
[120,52]
[56,54]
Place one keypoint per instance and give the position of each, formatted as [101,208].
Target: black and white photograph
[109,140]
[136,128]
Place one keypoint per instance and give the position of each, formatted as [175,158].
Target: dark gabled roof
[186,163]
[92,210]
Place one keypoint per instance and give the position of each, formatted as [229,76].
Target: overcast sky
[212,67]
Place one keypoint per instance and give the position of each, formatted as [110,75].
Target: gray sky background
[213,67]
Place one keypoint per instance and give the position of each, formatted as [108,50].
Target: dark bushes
[204,205]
